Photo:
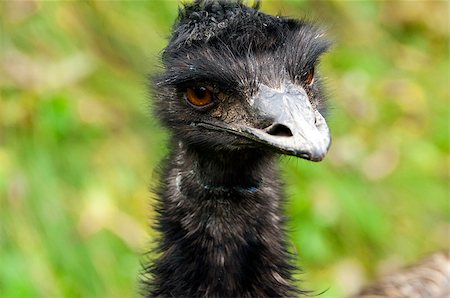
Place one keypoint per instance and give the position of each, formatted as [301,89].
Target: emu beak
[297,127]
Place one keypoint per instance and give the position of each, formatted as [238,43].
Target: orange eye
[308,77]
[199,96]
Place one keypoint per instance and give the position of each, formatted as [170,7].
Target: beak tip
[315,154]
[317,158]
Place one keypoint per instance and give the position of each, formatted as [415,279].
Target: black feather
[220,203]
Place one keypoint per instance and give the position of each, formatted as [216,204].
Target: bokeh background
[79,145]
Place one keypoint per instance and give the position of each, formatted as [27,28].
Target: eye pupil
[200,92]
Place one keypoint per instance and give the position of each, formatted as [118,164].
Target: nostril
[278,129]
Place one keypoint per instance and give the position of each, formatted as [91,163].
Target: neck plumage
[221,227]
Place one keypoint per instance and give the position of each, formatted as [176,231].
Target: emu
[239,87]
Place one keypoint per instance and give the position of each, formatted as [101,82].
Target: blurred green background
[78,144]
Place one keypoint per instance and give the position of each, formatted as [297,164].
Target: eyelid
[215,88]
[183,86]
[217,85]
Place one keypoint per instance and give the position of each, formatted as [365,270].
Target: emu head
[236,78]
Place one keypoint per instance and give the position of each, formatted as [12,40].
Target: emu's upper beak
[297,127]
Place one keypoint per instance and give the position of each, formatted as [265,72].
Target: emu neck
[244,170]
[222,227]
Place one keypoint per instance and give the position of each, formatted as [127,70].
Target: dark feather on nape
[201,4]
[203,21]
[224,26]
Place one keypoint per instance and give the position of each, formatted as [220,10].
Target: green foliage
[79,147]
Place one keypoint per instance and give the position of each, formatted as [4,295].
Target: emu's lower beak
[297,127]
